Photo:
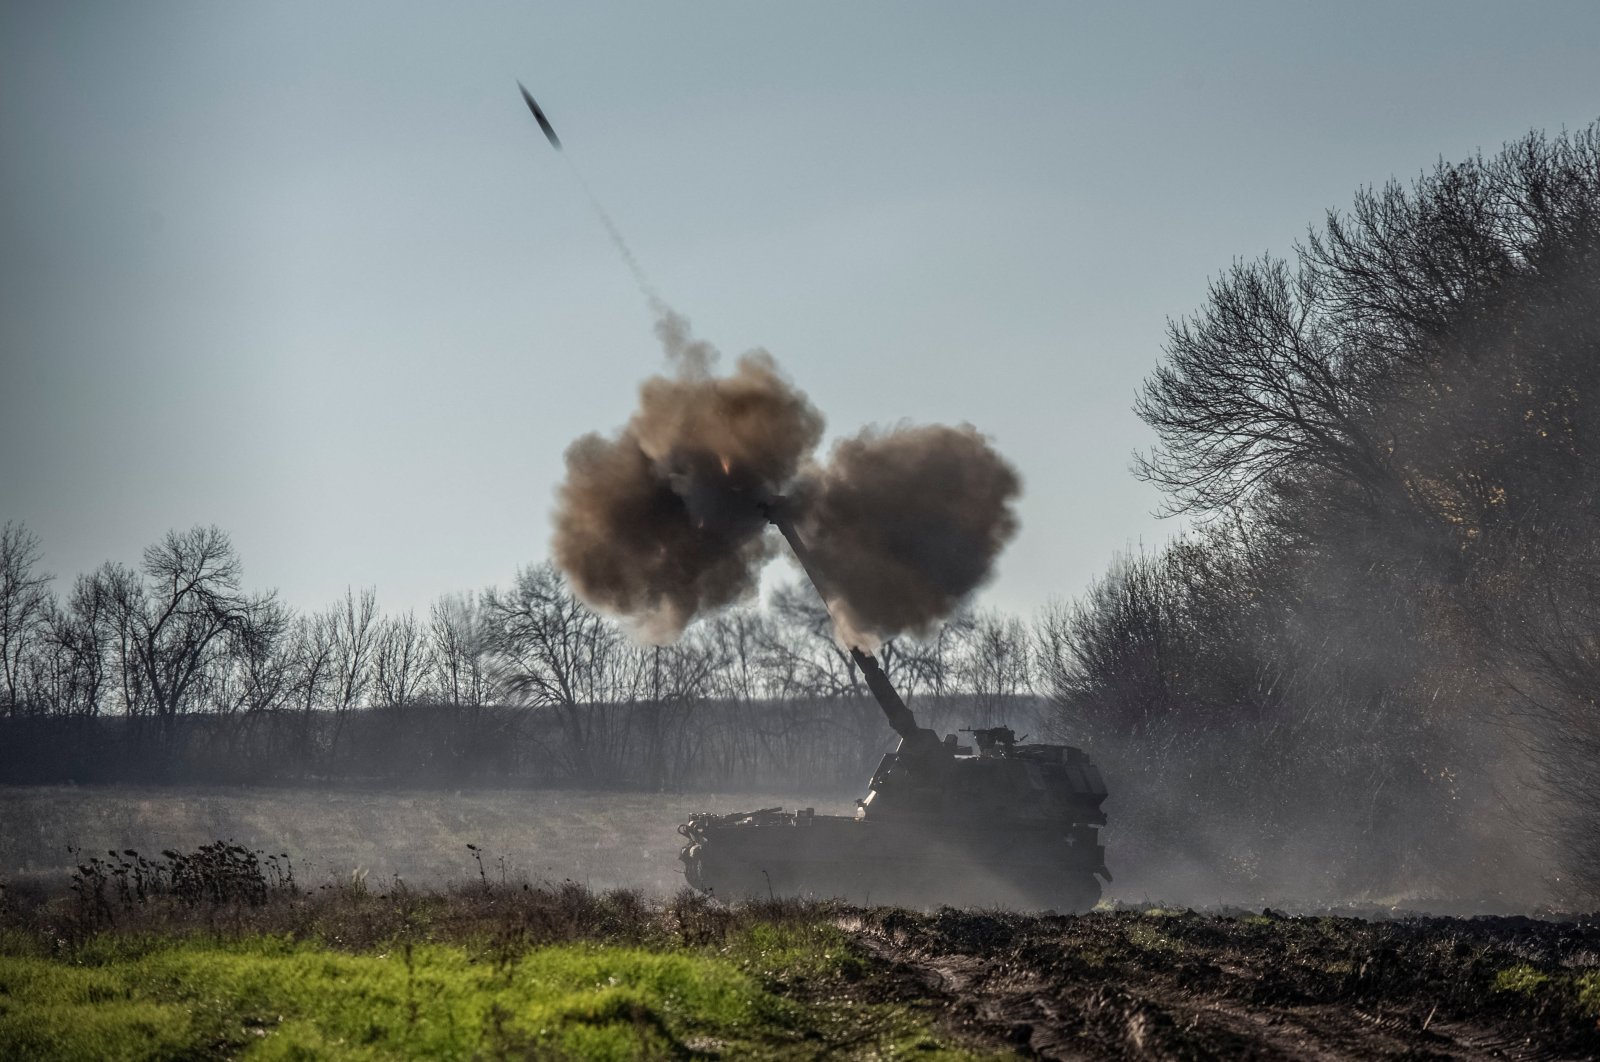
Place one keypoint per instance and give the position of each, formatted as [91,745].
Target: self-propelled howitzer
[997,823]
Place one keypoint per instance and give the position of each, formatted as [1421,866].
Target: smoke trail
[658,305]
[665,520]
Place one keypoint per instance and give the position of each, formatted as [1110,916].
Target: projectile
[544,123]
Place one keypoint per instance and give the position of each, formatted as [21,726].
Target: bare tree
[997,666]
[552,651]
[24,601]
[461,663]
[803,655]
[401,664]
[168,633]
[1399,420]
[191,606]
[932,664]
[734,641]
[736,644]
[70,671]
[312,652]
[120,605]
[1105,660]
[1257,386]
[257,673]
[667,684]
[355,641]
[355,635]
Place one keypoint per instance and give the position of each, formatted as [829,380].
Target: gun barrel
[779,518]
[888,698]
[914,738]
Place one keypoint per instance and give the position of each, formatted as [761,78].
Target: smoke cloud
[666,520]
[905,524]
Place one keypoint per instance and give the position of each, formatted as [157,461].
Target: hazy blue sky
[310,273]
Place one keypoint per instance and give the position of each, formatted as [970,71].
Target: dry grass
[602,840]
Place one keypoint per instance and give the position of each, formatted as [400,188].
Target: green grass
[1521,978]
[766,990]
[437,1002]
[1561,991]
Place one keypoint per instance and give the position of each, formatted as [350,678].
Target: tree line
[174,671]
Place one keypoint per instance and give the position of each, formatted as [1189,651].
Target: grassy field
[509,972]
[436,1001]
[217,953]
[99,971]
[603,840]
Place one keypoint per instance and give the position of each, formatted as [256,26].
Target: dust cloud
[666,520]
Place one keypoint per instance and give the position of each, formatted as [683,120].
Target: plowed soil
[1184,985]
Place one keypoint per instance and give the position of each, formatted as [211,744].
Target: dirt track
[1131,985]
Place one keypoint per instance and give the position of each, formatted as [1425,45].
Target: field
[478,971]
[601,840]
[1177,984]
[573,939]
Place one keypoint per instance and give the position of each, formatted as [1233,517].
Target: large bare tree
[193,602]
[553,652]
[172,625]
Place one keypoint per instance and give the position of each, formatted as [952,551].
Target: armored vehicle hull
[1000,824]
[1011,826]
[775,853]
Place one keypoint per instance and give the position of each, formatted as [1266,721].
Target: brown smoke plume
[905,524]
[665,520]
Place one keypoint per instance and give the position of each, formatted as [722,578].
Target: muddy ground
[1159,984]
